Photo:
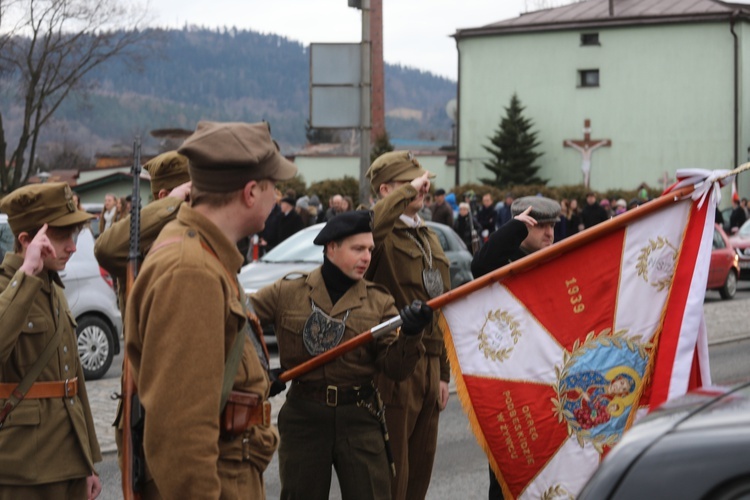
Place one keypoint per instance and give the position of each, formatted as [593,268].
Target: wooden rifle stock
[129,390]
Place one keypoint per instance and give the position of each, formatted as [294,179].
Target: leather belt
[43,390]
[331,395]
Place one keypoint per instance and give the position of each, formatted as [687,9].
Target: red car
[741,243]
[725,267]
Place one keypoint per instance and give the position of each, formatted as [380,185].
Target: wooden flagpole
[511,269]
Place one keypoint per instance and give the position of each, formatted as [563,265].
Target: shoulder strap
[28,380]
[230,367]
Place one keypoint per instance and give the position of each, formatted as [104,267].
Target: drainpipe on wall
[611,8]
[732,21]
[458,122]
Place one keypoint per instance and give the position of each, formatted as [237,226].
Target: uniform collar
[352,299]
[225,250]
[12,262]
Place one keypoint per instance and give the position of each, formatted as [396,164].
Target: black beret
[343,225]
[543,209]
[289,200]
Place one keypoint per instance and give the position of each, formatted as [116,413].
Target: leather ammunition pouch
[243,410]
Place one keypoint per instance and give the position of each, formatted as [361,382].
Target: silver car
[92,301]
[298,253]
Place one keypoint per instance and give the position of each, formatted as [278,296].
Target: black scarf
[337,283]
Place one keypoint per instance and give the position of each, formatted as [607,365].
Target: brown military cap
[30,207]
[543,209]
[168,170]
[394,166]
[223,157]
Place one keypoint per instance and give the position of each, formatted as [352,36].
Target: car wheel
[730,286]
[95,346]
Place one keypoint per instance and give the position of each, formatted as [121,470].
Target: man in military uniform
[186,322]
[531,229]
[170,187]
[409,261]
[48,444]
[331,414]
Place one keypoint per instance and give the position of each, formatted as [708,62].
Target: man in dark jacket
[531,229]
[441,210]
[290,221]
[593,213]
[487,215]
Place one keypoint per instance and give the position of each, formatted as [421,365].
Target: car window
[718,241]
[6,238]
[442,237]
[297,248]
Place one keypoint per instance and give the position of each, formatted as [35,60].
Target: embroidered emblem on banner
[598,384]
[499,333]
[656,263]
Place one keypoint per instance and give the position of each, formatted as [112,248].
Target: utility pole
[365,116]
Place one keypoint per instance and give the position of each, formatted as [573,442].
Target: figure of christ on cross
[586,147]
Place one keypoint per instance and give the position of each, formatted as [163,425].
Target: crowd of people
[194,341]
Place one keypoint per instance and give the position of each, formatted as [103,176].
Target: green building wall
[666,100]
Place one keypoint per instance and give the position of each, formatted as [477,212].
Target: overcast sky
[416,32]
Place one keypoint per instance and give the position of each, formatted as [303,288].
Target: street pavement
[726,321]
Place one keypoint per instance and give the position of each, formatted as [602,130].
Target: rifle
[133,460]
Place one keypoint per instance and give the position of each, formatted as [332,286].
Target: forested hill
[230,74]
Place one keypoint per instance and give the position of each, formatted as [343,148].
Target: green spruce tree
[382,145]
[513,150]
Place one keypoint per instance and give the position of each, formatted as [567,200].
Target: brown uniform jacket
[112,247]
[397,263]
[182,317]
[43,440]
[287,305]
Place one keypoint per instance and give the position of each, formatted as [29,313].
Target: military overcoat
[43,440]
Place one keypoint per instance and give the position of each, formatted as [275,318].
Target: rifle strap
[28,380]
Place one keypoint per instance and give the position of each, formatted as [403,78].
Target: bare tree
[47,52]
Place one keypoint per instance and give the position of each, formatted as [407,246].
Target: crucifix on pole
[586,147]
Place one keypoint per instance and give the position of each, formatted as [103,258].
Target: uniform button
[65,349]
[31,325]
[14,284]
[191,233]
[170,209]
[66,367]
[72,401]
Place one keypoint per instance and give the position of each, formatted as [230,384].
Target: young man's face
[63,240]
[487,200]
[540,236]
[353,255]
[109,202]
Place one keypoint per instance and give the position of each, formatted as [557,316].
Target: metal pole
[365,116]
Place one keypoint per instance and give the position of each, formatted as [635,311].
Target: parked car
[298,253]
[741,243]
[724,270]
[93,303]
[695,447]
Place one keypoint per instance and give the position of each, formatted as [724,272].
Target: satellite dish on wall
[451,109]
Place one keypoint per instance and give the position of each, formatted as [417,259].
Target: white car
[92,300]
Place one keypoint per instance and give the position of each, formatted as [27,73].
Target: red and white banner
[554,363]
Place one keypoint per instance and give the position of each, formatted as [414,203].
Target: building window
[588,78]
[590,39]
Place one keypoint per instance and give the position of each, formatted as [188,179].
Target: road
[460,469]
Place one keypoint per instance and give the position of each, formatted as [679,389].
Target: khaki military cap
[223,157]
[542,209]
[30,207]
[168,170]
[394,166]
